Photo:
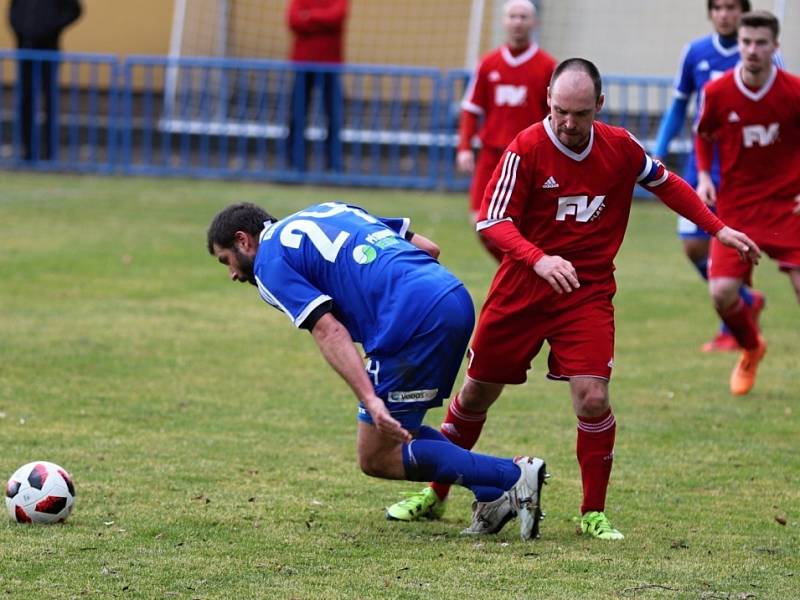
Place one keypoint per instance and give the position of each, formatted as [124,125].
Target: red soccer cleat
[722,342]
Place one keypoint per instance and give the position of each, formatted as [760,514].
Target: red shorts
[522,312]
[777,232]
[484,168]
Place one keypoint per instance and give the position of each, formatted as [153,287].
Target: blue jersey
[703,60]
[380,285]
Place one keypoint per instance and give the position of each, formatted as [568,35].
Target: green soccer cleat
[417,505]
[596,524]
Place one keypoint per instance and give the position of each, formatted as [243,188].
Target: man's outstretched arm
[337,347]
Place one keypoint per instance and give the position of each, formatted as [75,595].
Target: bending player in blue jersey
[704,59]
[347,276]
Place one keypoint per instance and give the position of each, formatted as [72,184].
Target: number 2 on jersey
[292,235]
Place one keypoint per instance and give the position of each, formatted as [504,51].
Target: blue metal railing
[61,112]
[384,126]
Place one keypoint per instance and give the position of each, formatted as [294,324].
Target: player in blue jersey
[704,59]
[349,277]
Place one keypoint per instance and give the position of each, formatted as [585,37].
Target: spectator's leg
[301,92]
[25,106]
[334,108]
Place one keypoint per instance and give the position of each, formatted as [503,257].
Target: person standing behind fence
[508,92]
[317,28]
[38,25]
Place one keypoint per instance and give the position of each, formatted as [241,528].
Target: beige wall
[112,26]
[621,36]
[642,37]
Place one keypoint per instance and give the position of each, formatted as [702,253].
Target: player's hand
[706,190]
[796,209]
[746,247]
[465,161]
[384,422]
[559,273]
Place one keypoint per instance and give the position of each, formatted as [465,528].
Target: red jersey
[509,92]
[576,205]
[757,133]
[318,28]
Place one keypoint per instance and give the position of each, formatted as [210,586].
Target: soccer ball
[40,492]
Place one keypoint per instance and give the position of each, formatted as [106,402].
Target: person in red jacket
[318,37]
[507,93]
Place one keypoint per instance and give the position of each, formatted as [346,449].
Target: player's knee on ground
[373,464]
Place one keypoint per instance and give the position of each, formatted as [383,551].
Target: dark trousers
[332,104]
[38,83]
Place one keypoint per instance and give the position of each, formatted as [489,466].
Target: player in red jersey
[558,206]
[507,94]
[752,114]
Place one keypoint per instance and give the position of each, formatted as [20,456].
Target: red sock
[739,319]
[463,428]
[595,450]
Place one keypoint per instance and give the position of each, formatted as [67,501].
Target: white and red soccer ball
[40,492]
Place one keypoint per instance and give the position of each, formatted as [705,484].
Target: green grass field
[213,450]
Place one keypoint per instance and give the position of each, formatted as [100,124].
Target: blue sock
[746,294]
[429,460]
[482,493]
[702,267]
[429,433]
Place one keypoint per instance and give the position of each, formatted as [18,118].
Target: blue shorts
[687,230]
[421,374]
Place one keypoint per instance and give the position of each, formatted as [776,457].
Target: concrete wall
[111,26]
[621,36]
[642,37]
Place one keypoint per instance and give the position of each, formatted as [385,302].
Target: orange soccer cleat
[744,373]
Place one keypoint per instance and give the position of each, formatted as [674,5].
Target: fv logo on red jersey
[510,95]
[758,134]
[579,206]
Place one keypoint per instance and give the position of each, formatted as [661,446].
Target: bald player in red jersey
[752,114]
[507,94]
[558,206]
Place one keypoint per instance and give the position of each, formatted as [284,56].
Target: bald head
[576,85]
[525,5]
[579,65]
[519,20]
[574,97]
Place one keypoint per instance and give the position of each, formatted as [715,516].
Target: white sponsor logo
[733,117]
[413,396]
[379,235]
[703,65]
[758,134]
[510,95]
[550,183]
[580,207]
[494,76]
